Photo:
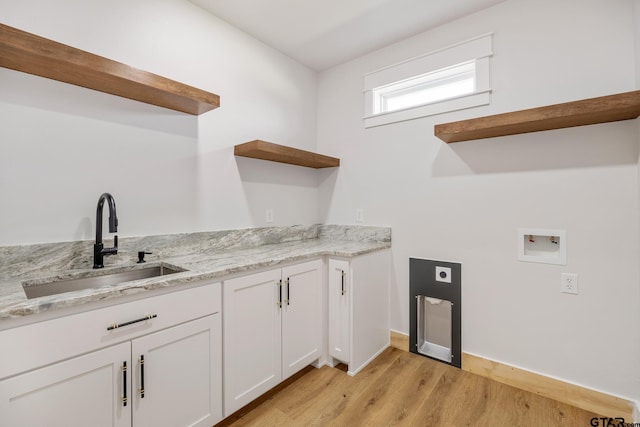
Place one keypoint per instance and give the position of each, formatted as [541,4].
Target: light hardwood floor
[403,389]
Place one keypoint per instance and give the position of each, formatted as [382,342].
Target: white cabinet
[83,391]
[301,316]
[170,377]
[358,308]
[272,329]
[252,353]
[339,310]
[177,377]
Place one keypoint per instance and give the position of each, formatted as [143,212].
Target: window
[426,88]
[449,79]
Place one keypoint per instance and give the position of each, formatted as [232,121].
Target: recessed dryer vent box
[435,310]
[541,245]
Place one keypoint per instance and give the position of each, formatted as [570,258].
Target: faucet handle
[141,255]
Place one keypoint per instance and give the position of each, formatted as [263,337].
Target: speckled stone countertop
[206,255]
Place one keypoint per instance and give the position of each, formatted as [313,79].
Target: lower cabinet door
[301,316]
[177,375]
[339,310]
[252,337]
[84,391]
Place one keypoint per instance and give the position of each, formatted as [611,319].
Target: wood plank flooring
[403,389]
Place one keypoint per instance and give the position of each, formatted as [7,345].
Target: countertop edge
[195,273]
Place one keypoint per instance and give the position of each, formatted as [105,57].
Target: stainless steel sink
[61,286]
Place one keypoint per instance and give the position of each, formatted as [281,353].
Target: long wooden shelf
[33,54]
[279,153]
[611,108]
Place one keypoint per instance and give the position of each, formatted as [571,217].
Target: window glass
[449,79]
[426,88]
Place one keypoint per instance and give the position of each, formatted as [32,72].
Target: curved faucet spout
[99,251]
[113,218]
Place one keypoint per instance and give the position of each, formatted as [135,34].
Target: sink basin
[61,286]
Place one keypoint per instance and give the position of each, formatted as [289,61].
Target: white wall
[61,146]
[464,202]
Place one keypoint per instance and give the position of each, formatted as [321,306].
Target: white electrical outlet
[569,283]
[359,215]
[269,215]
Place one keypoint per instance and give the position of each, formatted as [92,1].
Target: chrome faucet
[99,251]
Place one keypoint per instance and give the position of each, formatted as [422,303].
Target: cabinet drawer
[31,346]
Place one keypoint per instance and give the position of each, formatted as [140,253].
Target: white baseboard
[361,367]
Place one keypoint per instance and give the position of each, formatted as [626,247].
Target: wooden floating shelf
[611,108]
[36,55]
[279,153]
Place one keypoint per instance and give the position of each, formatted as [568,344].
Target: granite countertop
[206,263]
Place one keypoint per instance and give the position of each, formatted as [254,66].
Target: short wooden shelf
[36,55]
[611,108]
[279,153]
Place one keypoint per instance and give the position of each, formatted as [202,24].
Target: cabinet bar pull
[279,293]
[141,361]
[342,277]
[131,322]
[124,383]
[288,294]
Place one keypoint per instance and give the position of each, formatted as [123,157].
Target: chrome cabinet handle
[342,277]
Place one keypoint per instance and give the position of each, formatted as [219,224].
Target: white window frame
[477,50]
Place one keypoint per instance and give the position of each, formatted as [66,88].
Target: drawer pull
[288,293]
[342,277]
[279,303]
[141,361]
[124,383]
[142,319]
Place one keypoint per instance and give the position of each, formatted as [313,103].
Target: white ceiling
[324,33]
